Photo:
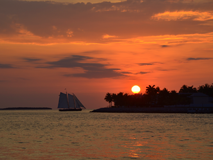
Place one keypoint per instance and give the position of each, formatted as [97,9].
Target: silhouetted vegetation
[155,97]
[26,108]
[187,89]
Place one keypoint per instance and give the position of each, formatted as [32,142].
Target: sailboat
[69,102]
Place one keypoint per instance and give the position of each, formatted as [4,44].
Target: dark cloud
[31,59]
[196,59]
[5,66]
[92,52]
[146,64]
[89,22]
[143,72]
[126,72]
[164,46]
[149,64]
[91,70]
[97,73]
[73,61]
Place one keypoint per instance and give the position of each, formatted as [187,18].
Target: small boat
[69,102]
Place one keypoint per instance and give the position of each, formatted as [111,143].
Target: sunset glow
[198,16]
[99,47]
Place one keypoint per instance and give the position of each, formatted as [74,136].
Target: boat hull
[70,109]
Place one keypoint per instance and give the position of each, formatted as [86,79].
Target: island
[188,100]
[26,108]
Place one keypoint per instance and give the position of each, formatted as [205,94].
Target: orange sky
[94,48]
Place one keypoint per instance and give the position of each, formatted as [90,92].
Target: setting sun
[136,89]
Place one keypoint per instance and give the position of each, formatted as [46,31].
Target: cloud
[5,66]
[91,70]
[196,59]
[108,36]
[126,72]
[146,64]
[31,59]
[92,52]
[164,46]
[100,22]
[97,73]
[143,72]
[182,15]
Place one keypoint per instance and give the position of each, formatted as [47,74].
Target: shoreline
[156,110]
[27,108]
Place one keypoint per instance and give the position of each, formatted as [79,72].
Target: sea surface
[54,135]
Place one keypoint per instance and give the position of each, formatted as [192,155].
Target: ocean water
[54,135]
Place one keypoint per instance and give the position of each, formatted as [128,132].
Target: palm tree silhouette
[108,98]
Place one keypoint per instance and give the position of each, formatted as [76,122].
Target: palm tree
[163,97]
[114,98]
[173,97]
[206,89]
[151,92]
[187,89]
[120,98]
[108,98]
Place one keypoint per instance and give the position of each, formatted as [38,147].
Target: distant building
[199,98]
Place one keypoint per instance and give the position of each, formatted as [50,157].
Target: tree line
[156,97]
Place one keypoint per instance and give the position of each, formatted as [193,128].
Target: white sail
[71,101]
[63,103]
[78,103]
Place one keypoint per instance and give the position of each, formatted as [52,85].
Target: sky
[93,47]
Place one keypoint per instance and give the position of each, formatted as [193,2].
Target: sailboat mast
[67,100]
[74,100]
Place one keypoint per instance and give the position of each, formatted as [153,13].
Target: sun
[136,89]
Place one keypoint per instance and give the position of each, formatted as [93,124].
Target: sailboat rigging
[69,102]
